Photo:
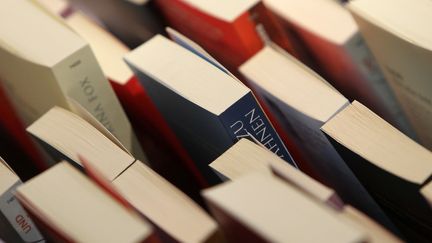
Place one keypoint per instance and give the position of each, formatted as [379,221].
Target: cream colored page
[81,79]
[376,89]
[324,159]
[164,204]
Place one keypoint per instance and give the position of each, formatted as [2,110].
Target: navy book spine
[246,119]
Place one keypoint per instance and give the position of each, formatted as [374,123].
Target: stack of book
[215,121]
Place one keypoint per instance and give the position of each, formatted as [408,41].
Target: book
[201,52]
[259,208]
[331,35]
[77,210]
[15,224]
[302,101]
[229,31]
[174,214]
[157,139]
[403,49]
[246,157]
[389,164]
[143,21]
[186,89]
[60,64]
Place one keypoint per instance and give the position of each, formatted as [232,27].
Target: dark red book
[21,148]
[230,32]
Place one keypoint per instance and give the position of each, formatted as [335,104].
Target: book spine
[81,79]
[380,94]
[246,119]
[17,217]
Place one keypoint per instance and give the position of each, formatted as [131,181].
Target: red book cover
[15,133]
[231,43]
[149,123]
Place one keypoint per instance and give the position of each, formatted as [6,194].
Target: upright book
[173,213]
[330,34]
[399,36]
[74,209]
[389,164]
[188,92]
[43,67]
[15,224]
[231,31]
[302,101]
[157,139]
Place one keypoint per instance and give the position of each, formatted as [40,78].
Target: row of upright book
[261,121]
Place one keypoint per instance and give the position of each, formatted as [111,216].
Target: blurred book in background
[15,224]
[328,31]
[401,40]
[131,23]
[231,31]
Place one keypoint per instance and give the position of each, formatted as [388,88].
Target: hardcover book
[330,34]
[15,224]
[401,40]
[389,164]
[43,67]
[187,91]
[231,31]
[174,214]
[303,101]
